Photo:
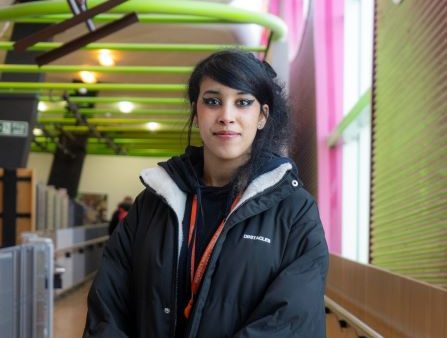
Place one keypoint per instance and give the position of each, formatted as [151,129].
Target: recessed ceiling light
[105,58]
[125,106]
[37,132]
[152,126]
[42,106]
[87,77]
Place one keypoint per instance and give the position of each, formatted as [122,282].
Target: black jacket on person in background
[265,278]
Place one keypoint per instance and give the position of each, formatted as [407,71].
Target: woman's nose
[226,115]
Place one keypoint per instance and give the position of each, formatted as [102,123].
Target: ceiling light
[82,91]
[87,77]
[152,126]
[37,132]
[125,106]
[105,58]
[42,106]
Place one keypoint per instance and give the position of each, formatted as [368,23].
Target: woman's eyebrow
[217,92]
[210,91]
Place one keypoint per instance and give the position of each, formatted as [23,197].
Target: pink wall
[328,42]
[291,11]
[319,100]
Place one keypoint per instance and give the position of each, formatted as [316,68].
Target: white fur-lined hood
[159,180]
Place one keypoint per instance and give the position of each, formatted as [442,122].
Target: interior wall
[303,117]
[115,176]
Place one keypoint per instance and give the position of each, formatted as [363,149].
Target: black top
[215,203]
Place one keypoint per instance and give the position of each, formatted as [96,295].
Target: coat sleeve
[109,299]
[293,304]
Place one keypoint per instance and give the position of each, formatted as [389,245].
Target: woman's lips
[226,134]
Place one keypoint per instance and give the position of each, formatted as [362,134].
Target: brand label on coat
[256,238]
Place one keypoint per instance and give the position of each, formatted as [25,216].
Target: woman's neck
[217,172]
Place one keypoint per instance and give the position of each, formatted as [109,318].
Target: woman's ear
[263,117]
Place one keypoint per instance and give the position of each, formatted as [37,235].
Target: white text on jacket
[257,238]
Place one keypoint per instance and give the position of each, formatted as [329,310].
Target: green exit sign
[14,128]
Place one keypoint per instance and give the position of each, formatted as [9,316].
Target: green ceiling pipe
[71,120]
[131,141]
[140,152]
[139,146]
[143,18]
[140,128]
[144,141]
[116,112]
[154,152]
[76,68]
[155,117]
[18,91]
[180,135]
[37,92]
[93,86]
[143,136]
[115,99]
[221,12]
[100,146]
[138,47]
[43,139]
[103,145]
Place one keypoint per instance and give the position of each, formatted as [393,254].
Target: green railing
[350,118]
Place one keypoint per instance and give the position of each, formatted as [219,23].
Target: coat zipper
[174,307]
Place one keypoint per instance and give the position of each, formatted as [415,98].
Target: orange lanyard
[197,275]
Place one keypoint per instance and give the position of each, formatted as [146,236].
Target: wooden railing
[392,305]
[340,323]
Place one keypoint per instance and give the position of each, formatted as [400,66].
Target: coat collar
[158,180]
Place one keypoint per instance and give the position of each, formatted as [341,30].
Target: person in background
[120,212]
[224,241]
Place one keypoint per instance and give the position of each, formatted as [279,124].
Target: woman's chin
[228,155]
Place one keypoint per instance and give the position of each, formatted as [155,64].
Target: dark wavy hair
[241,70]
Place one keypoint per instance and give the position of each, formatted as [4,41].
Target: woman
[224,241]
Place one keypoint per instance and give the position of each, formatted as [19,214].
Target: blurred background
[86,106]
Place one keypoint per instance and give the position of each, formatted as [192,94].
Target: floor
[70,312]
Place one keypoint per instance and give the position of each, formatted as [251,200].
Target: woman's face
[228,120]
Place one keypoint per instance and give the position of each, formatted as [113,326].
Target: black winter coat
[265,279]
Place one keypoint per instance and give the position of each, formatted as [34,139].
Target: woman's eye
[211,101]
[245,102]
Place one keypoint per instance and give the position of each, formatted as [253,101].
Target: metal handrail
[353,321]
